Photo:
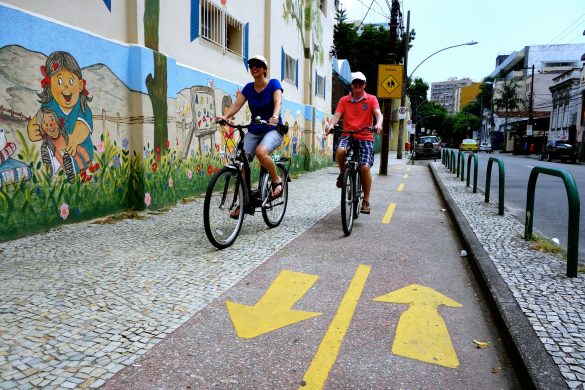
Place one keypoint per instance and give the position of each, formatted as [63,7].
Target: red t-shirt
[358,114]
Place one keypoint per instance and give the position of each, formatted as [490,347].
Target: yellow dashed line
[389,212]
[401,187]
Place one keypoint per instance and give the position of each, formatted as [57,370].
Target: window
[290,69]
[320,86]
[221,28]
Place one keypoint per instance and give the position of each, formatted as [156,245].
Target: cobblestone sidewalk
[80,302]
[553,303]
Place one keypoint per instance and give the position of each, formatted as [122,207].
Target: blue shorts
[272,140]
[366,149]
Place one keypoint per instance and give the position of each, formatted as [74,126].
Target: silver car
[485,147]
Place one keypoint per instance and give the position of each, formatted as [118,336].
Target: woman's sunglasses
[256,64]
[357,83]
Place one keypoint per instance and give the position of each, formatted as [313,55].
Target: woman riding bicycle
[264,98]
[357,109]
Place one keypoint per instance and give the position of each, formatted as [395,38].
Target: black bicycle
[229,194]
[352,194]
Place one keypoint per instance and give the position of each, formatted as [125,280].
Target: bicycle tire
[273,209]
[224,194]
[359,195]
[347,201]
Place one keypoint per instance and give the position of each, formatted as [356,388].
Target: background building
[445,92]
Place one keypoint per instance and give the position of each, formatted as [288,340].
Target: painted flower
[154,166]
[116,161]
[170,182]
[209,170]
[157,150]
[190,174]
[198,168]
[125,143]
[38,191]
[147,154]
[101,146]
[168,143]
[147,199]
[77,211]
[216,169]
[217,148]
[64,211]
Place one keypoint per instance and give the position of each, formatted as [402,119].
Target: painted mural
[78,137]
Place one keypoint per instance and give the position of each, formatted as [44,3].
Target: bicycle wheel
[273,209]
[359,194]
[347,201]
[224,194]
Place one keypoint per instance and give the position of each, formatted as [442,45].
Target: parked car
[468,145]
[561,150]
[485,147]
[427,146]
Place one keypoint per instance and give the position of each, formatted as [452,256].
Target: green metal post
[502,180]
[574,211]
[475,167]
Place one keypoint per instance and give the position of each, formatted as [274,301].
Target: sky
[498,27]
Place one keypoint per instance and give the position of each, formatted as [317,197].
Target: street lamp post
[438,51]
[405,81]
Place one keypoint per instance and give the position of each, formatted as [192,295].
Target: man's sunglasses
[256,64]
[357,83]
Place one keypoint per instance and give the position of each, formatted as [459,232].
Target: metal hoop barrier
[502,180]
[574,210]
[452,161]
[475,167]
[461,162]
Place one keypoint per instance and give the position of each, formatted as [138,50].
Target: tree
[344,36]
[156,85]
[509,100]
[417,92]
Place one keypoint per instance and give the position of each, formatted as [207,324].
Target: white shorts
[271,140]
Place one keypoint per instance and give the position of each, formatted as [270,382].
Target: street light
[405,80]
[438,51]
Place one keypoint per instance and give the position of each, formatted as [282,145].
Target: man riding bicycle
[358,110]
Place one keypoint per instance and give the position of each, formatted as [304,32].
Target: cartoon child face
[50,125]
[65,88]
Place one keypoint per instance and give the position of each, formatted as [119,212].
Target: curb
[531,360]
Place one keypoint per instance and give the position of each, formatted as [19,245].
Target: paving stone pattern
[80,302]
[553,303]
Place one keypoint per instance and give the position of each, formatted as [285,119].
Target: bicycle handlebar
[350,132]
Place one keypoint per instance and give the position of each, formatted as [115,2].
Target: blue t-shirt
[261,104]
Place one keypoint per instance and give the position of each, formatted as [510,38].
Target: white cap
[358,76]
[259,58]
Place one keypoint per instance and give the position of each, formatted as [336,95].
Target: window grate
[221,28]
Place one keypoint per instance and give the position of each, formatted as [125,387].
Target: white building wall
[89,15]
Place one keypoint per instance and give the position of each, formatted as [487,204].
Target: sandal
[274,186]
[339,182]
[235,214]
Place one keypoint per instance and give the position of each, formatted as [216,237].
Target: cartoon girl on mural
[64,93]
[54,144]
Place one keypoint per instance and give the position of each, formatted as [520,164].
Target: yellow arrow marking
[328,350]
[401,187]
[421,332]
[273,311]
[389,212]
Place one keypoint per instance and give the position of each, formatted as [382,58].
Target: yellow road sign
[390,81]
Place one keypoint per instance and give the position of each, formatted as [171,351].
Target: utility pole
[388,102]
[530,114]
[404,87]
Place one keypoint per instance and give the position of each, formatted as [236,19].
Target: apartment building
[148,79]
[446,92]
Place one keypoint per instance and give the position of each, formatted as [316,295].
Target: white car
[485,147]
